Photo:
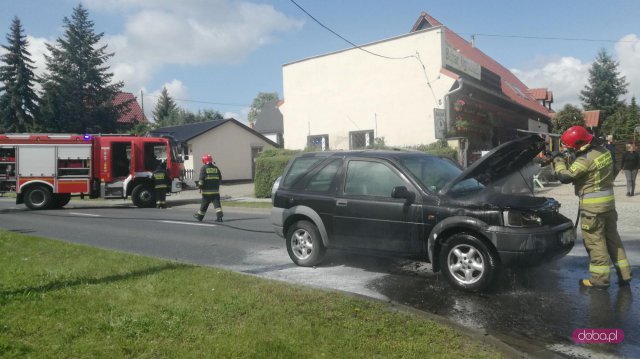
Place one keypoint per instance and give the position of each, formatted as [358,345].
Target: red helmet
[207,159]
[576,137]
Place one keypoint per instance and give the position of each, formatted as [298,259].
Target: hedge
[269,166]
[439,148]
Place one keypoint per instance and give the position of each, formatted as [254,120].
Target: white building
[234,146]
[410,90]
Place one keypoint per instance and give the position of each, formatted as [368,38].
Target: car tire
[38,197]
[304,244]
[468,263]
[61,200]
[143,196]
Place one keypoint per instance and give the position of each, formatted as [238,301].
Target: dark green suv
[467,223]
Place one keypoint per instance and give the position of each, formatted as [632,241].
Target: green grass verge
[60,300]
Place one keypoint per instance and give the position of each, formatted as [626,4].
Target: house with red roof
[592,119]
[409,90]
[131,112]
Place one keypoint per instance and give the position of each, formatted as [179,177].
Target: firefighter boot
[219,219]
[586,284]
[198,216]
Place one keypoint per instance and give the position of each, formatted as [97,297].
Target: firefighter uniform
[161,182]
[592,176]
[209,184]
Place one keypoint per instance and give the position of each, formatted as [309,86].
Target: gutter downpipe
[462,150]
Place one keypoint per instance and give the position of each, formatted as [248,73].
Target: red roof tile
[539,94]
[133,112]
[511,85]
[592,118]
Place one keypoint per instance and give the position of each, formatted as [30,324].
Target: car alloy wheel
[304,244]
[469,262]
[465,264]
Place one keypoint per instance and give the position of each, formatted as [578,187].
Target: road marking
[85,214]
[190,224]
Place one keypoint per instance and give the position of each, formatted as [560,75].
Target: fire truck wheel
[143,196]
[38,197]
[61,200]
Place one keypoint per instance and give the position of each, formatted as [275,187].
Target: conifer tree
[633,118]
[604,87]
[18,100]
[165,109]
[77,90]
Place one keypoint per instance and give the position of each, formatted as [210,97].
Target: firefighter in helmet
[161,182]
[209,185]
[592,175]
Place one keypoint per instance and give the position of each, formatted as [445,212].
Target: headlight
[521,219]
[567,237]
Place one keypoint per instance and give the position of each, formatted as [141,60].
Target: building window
[360,139]
[318,142]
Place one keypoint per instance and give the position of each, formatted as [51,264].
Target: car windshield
[435,172]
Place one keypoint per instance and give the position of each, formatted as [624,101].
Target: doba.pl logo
[598,336]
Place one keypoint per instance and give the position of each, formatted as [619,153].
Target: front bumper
[531,246]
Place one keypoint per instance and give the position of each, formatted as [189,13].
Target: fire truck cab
[45,170]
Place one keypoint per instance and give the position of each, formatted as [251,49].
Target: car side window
[321,181]
[368,178]
[299,168]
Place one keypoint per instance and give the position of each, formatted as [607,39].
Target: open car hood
[501,161]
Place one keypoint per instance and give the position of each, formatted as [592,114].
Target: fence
[187,174]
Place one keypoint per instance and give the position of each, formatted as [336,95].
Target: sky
[219,54]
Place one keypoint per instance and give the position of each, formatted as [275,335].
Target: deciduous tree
[567,117]
[258,102]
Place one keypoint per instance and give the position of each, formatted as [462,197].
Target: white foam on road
[85,214]
[581,352]
[190,223]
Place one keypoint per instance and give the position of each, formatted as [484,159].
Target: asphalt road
[532,310]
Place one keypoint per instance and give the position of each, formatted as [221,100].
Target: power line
[346,40]
[545,37]
[416,56]
[205,102]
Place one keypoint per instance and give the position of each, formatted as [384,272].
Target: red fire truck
[45,170]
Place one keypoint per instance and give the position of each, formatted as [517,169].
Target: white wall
[352,90]
[272,136]
[230,145]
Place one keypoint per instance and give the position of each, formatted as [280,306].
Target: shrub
[440,148]
[269,166]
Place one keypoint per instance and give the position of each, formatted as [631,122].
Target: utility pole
[142,101]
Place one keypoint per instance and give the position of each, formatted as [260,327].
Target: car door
[366,216]
[318,189]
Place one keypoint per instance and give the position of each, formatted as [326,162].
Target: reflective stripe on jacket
[161,180]
[592,176]
[210,178]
